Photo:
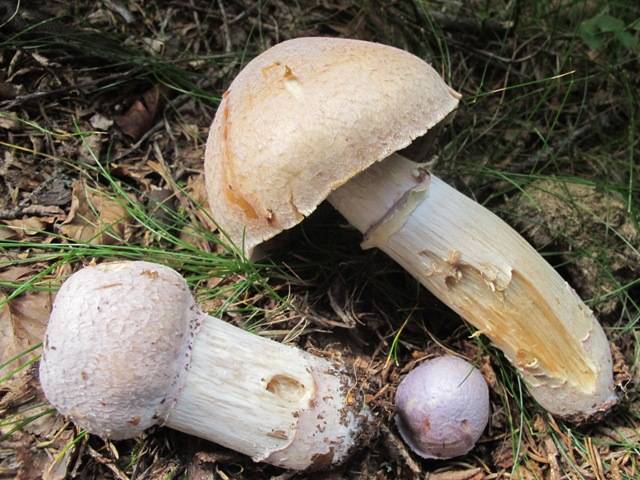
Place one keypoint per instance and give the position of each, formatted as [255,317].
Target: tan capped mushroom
[127,348]
[316,118]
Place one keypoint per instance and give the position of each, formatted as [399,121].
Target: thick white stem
[485,271]
[276,403]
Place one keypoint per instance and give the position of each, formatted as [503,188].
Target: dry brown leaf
[51,463]
[18,272]
[93,218]
[30,313]
[22,324]
[7,233]
[21,228]
[140,116]
[30,461]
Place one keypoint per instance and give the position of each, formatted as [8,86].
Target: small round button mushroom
[442,407]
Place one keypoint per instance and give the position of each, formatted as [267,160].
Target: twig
[33,210]
[225,28]
[400,453]
[30,97]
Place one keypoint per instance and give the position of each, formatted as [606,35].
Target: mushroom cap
[442,407]
[116,346]
[304,117]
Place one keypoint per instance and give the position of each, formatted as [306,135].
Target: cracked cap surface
[304,117]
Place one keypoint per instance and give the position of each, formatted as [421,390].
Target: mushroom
[316,118]
[127,348]
[442,407]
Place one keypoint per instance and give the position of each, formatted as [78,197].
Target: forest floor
[104,113]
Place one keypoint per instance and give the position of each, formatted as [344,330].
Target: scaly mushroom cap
[442,407]
[304,117]
[110,374]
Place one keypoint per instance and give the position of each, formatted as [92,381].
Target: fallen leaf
[22,324]
[41,59]
[552,458]
[93,218]
[153,45]
[13,273]
[22,228]
[139,118]
[18,391]
[50,463]
[6,233]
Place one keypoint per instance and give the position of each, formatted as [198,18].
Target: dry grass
[104,110]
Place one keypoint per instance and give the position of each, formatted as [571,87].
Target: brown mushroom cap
[303,118]
[117,345]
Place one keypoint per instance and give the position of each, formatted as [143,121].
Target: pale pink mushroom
[442,407]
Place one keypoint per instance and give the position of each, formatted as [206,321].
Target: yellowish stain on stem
[515,316]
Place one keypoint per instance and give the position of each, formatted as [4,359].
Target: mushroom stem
[275,403]
[486,272]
